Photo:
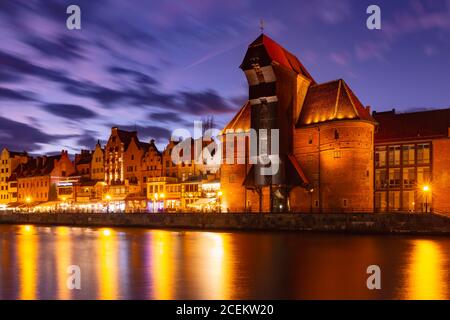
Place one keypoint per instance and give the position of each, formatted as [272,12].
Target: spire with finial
[261,25]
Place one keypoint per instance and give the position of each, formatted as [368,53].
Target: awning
[48,204]
[201,202]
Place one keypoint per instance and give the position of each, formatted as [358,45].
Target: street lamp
[426,189]
[311,199]
[28,201]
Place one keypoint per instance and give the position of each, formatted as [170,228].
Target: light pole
[28,201]
[426,190]
[311,200]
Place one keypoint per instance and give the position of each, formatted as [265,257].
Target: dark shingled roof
[37,167]
[331,101]
[18,154]
[85,159]
[144,145]
[126,137]
[412,126]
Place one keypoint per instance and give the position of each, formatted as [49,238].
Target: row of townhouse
[120,175]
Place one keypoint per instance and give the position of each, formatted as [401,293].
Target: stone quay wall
[386,223]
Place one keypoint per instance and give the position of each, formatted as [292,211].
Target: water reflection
[28,262]
[107,258]
[427,278]
[163,248]
[161,264]
[63,261]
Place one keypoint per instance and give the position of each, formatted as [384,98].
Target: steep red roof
[280,55]
[331,101]
[412,126]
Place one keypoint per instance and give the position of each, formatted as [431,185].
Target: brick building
[9,160]
[412,161]
[37,179]
[83,164]
[325,134]
[97,163]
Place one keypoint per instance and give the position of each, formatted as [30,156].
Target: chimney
[368,109]
[43,161]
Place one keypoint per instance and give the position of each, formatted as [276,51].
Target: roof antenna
[261,25]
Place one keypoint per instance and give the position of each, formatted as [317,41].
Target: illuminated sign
[65,184]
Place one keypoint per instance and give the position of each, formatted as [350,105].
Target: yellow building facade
[9,161]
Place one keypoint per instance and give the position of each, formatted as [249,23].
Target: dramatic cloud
[88,140]
[166,117]
[19,136]
[8,94]
[21,67]
[204,103]
[67,48]
[69,111]
[139,77]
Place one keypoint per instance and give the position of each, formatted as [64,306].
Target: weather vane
[261,25]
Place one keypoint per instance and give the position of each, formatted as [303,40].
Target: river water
[136,263]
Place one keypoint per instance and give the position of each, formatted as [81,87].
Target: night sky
[158,65]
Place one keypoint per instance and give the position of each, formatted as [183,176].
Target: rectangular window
[423,153]
[380,179]
[409,178]
[344,203]
[423,175]
[380,201]
[394,155]
[408,201]
[394,200]
[408,154]
[380,156]
[394,178]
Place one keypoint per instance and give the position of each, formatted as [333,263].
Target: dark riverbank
[395,223]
